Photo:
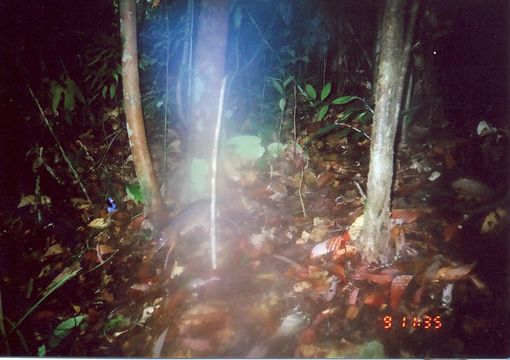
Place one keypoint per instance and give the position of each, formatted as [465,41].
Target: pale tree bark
[209,70]
[133,110]
[374,242]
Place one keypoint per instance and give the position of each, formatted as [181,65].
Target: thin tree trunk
[209,70]
[374,242]
[133,110]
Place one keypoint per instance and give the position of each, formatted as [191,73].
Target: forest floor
[86,282]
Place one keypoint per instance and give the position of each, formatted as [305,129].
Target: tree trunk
[133,110]
[374,242]
[209,71]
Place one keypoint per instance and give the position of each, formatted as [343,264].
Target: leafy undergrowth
[286,284]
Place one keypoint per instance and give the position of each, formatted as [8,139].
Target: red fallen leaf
[397,288]
[323,315]
[175,300]
[339,271]
[375,299]
[347,252]
[261,192]
[454,273]
[404,216]
[136,224]
[324,179]
[353,296]
[381,279]
[338,241]
[90,258]
[307,336]
[450,231]
[146,273]
[418,295]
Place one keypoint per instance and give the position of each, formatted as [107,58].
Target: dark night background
[471,61]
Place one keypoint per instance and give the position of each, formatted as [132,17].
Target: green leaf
[326,90]
[281,104]
[323,111]
[134,193]
[104,90]
[117,323]
[275,149]
[311,91]
[41,350]
[113,89]
[56,91]
[344,115]
[276,84]
[248,147]
[74,89]
[68,99]
[371,350]
[288,80]
[343,100]
[63,329]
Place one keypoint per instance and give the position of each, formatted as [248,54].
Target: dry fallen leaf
[105,249]
[356,228]
[352,312]
[99,223]
[494,221]
[53,250]
[454,273]
[450,231]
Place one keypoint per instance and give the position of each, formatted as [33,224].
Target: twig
[299,189]
[355,129]
[115,134]
[62,152]
[360,190]
[214,172]
[289,261]
[295,112]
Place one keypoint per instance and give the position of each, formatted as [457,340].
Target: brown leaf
[353,310]
[105,249]
[307,336]
[450,231]
[454,273]
[106,296]
[325,178]
[376,298]
[404,216]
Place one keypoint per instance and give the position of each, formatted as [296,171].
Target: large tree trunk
[133,110]
[374,242]
[209,66]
